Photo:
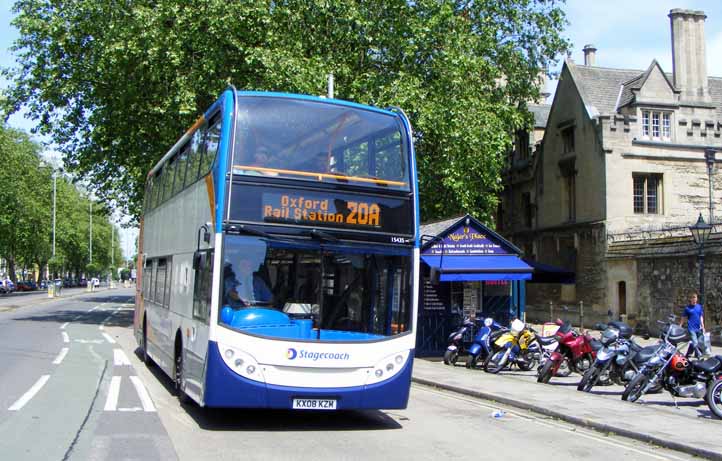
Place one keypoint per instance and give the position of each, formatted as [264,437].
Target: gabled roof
[443,228]
[629,88]
[604,90]
[541,114]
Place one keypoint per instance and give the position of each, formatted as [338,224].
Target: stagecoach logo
[292,353]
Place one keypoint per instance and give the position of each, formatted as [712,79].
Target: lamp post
[709,160]
[700,233]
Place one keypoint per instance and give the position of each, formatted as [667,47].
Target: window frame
[643,180]
[657,125]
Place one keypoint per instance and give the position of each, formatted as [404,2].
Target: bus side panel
[225,388]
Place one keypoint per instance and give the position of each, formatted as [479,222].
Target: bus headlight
[387,368]
[242,363]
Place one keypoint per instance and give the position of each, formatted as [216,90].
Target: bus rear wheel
[178,381]
[144,348]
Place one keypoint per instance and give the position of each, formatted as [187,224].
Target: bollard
[551,311]
[581,314]
[51,290]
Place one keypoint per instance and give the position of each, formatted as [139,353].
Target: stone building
[616,181]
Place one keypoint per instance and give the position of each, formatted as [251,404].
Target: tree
[116,83]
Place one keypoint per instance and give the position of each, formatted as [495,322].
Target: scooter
[578,349]
[481,347]
[456,342]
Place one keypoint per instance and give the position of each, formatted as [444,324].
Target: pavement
[690,427]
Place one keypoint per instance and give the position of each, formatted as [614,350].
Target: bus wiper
[322,236]
[241,229]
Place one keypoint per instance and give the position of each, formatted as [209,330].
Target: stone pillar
[689,59]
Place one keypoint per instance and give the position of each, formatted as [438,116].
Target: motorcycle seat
[709,365]
[546,340]
[645,354]
[634,347]
[596,345]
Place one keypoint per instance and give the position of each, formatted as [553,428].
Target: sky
[628,34]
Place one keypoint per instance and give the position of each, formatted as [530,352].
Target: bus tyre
[178,385]
[144,348]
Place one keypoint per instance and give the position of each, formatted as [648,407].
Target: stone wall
[664,284]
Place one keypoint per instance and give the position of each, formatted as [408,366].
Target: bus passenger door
[197,344]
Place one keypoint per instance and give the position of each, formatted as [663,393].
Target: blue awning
[479,268]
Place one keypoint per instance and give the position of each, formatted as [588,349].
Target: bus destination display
[311,210]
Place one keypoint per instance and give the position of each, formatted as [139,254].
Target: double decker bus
[279,256]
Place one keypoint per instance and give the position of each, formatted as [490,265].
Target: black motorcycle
[619,360]
[668,367]
[457,342]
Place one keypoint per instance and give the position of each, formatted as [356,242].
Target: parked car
[23,285]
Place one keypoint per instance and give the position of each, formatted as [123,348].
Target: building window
[647,193]
[568,139]
[657,125]
[569,189]
[522,144]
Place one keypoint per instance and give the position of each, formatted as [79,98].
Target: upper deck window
[320,141]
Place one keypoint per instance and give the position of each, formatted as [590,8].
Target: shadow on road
[122,318]
[234,419]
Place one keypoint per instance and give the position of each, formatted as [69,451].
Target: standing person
[694,314]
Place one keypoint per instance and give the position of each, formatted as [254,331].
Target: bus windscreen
[318,141]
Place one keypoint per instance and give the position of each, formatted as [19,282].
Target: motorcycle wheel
[564,369]
[634,389]
[545,374]
[493,366]
[583,364]
[529,362]
[472,361]
[714,397]
[450,357]
[589,379]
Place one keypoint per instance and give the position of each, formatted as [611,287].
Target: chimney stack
[590,55]
[689,58]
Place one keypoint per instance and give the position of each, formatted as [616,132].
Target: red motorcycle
[578,351]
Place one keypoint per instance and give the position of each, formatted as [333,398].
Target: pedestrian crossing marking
[108,338]
[111,401]
[119,358]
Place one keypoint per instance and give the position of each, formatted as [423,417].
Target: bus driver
[252,292]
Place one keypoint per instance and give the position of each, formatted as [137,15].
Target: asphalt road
[97,401]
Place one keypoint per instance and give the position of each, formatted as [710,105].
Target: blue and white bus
[279,256]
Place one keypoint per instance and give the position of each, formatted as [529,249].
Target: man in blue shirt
[695,325]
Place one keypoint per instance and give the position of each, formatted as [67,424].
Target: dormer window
[657,125]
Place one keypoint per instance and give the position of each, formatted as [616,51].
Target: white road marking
[119,358]
[62,327]
[574,430]
[143,394]
[91,310]
[111,403]
[101,327]
[108,338]
[88,341]
[61,356]
[131,409]
[29,394]
[66,338]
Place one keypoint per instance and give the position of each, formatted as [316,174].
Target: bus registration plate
[314,404]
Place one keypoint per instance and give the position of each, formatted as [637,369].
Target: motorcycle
[673,371]
[579,350]
[619,359]
[482,346]
[456,342]
[517,347]
[714,393]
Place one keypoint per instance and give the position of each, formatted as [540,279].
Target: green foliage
[116,83]
[26,194]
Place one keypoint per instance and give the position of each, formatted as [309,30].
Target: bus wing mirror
[199,260]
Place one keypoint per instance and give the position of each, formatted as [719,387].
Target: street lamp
[700,233]
[709,160]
